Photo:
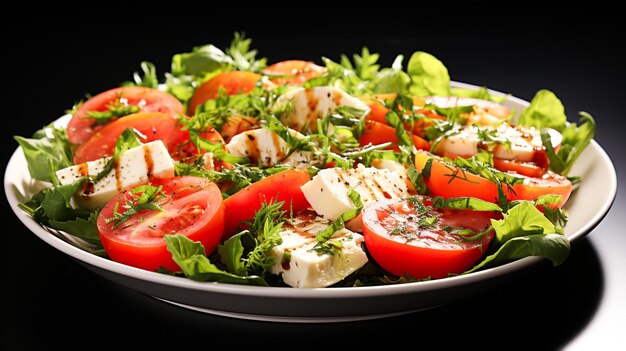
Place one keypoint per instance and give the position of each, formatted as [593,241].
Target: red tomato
[402,245]
[528,169]
[282,186]
[450,181]
[153,126]
[237,124]
[81,127]
[192,206]
[293,72]
[378,133]
[235,82]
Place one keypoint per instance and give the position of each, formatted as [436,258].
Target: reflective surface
[579,305]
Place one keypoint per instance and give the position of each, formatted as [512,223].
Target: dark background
[49,300]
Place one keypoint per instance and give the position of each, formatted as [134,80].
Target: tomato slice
[450,181]
[81,126]
[403,240]
[152,125]
[378,133]
[293,72]
[235,82]
[283,186]
[191,206]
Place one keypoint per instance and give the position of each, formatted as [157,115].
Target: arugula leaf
[576,137]
[82,228]
[149,78]
[545,111]
[143,197]
[521,220]
[265,229]
[554,247]
[52,207]
[243,58]
[48,153]
[191,258]
[428,75]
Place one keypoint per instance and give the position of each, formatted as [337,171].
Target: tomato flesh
[81,126]
[192,207]
[234,82]
[403,245]
[293,72]
[283,186]
[450,181]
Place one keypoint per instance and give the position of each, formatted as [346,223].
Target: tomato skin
[295,72]
[153,125]
[432,253]
[139,241]
[235,82]
[80,128]
[441,183]
[378,133]
[525,168]
[282,186]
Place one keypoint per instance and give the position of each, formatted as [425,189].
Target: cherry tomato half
[191,206]
[293,72]
[235,82]
[81,127]
[404,241]
[450,181]
[283,186]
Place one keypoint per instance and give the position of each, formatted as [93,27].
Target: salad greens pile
[523,231]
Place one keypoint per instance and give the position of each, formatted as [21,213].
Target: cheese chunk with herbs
[327,191]
[309,104]
[510,143]
[134,166]
[301,266]
[266,148]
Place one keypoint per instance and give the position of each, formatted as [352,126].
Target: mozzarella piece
[302,267]
[134,166]
[485,112]
[515,143]
[327,191]
[312,103]
[266,148]
[396,167]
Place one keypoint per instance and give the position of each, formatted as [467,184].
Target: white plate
[588,204]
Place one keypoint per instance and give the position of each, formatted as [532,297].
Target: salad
[232,168]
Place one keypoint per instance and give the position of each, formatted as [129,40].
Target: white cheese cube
[327,192]
[302,267]
[134,166]
[266,148]
[312,103]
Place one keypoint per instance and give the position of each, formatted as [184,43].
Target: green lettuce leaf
[428,75]
[521,220]
[45,155]
[191,258]
[545,111]
[554,247]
